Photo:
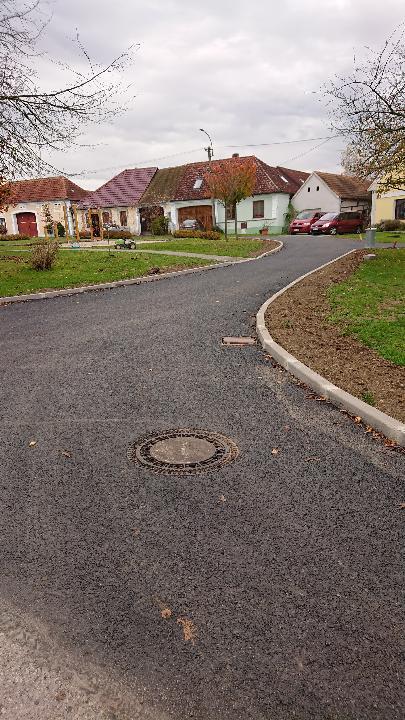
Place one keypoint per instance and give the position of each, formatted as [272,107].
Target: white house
[181,193]
[329,192]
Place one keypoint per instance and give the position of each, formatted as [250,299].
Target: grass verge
[370,305]
[75,268]
[360,350]
[390,238]
[231,248]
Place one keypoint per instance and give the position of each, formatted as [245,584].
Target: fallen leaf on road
[189,630]
[275,451]
[136,531]
[310,459]
[402,506]
[32,443]
[166,613]
[222,498]
[65,453]
[357,419]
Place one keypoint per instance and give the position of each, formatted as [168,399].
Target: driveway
[266,590]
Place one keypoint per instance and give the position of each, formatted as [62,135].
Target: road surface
[266,590]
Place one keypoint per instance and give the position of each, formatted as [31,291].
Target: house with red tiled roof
[116,202]
[182,194]
[29,200]
[330,192]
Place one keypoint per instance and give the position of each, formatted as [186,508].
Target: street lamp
[210,152]
[208,149]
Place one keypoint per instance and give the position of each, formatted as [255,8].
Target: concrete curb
[391,428]
[131,281]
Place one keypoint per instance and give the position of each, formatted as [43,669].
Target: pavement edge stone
[389,426]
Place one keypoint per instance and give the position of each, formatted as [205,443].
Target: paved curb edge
[389,426]
[130,281]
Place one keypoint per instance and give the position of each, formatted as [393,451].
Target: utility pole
[210,152]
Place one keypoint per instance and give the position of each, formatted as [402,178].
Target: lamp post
[210,152]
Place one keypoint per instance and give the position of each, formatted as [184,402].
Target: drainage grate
[238,341]
[184,451]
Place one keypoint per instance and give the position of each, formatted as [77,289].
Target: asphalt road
[267,590]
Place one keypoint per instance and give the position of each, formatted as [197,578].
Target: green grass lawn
[81,267]
[231,248]
[371,304]
[382,237]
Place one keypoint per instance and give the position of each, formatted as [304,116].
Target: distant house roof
[163,186]
[45,189]
[185,182]
[346,186]
[123,190]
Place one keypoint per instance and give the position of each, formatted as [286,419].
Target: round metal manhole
[184,451]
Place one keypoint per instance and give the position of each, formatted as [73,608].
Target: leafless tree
[368,107]
[34,120]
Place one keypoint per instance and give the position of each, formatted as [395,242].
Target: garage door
[27,224]
[202,213]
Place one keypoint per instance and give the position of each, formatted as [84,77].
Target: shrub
[388,225]
[108,234]
[160,225]
[61,230]
[15,238]
[43,255]
[199,234]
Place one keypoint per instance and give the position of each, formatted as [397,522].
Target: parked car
[191,224]
[333,223]
[304,221]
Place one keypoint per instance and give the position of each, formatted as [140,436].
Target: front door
[95,221]
[27,224]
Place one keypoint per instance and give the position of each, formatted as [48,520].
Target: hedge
[108,234]
[388,225]
[199,234]
[15,238]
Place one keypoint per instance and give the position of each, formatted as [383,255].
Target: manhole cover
[183,452]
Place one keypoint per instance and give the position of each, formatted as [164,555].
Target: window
[258,208]
[3,226]
[399,209]
[123,218]
[230,212]
[309,189]
[198,184]
[106,217]
[317,188]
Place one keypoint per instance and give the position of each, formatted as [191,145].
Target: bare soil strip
[298,321]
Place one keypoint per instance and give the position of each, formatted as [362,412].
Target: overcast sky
[248,73]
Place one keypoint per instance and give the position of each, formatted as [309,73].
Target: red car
[304,221]
[333,223]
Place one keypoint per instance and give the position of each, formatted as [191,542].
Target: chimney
[235,155]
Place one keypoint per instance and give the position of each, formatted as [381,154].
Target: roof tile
[123,190]
[43,189]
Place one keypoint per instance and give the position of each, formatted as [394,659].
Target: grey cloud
[245,71]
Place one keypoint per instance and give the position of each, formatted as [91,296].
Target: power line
[281,142]
[306,152]
[220,147]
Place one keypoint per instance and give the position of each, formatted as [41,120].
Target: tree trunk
[226,222]
[236,222]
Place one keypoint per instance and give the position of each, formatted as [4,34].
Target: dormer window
[198,183]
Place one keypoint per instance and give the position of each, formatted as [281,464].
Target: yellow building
[387,206]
